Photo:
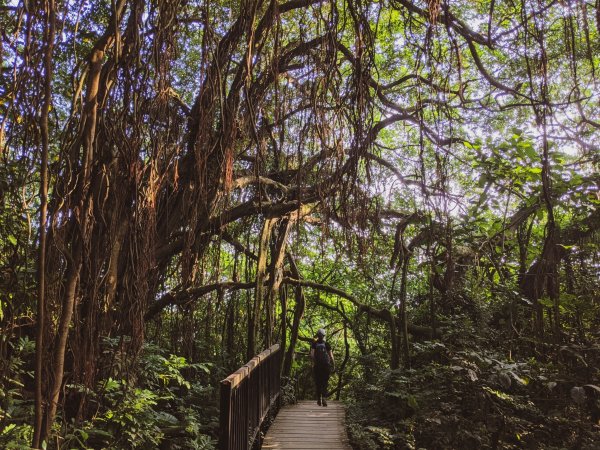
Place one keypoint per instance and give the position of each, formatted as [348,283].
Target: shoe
[324,402]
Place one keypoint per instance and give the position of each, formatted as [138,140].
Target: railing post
[225,416]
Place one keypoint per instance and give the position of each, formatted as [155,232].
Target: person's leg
[321,380]
[317,385]
[325,386]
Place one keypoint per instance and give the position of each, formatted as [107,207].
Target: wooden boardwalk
[307,426]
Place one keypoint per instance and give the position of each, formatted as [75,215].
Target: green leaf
[8,428]
[412,402]
[521,380]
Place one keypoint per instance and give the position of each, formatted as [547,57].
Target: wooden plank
[307,426]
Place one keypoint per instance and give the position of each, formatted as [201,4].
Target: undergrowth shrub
[167,404]
[471,396]
[16,407]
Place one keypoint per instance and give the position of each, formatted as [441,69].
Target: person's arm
[331,359]
[312,356]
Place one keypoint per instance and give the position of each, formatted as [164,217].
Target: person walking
[323,364]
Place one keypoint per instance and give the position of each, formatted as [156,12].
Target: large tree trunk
[77,204]
[298,313]
[403,315]
[280,237]
[254,314]
[342,366]
[41,306]
[60,346]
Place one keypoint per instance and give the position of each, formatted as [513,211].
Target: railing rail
[247,395]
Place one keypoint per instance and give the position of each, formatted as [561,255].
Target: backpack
[321,354]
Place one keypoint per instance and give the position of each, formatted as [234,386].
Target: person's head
[321,334]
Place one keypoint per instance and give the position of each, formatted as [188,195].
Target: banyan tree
[141,137]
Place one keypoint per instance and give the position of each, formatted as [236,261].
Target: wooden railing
[247,395]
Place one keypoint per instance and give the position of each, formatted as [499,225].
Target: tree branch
[188,295]
[381,314]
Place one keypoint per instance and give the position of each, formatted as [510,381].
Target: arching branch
[381,314]
[189,295]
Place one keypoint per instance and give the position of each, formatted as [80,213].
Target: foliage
[15,408]
[468,396]
[288,391]
[168,408]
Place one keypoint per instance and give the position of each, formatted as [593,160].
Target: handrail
[246,398]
